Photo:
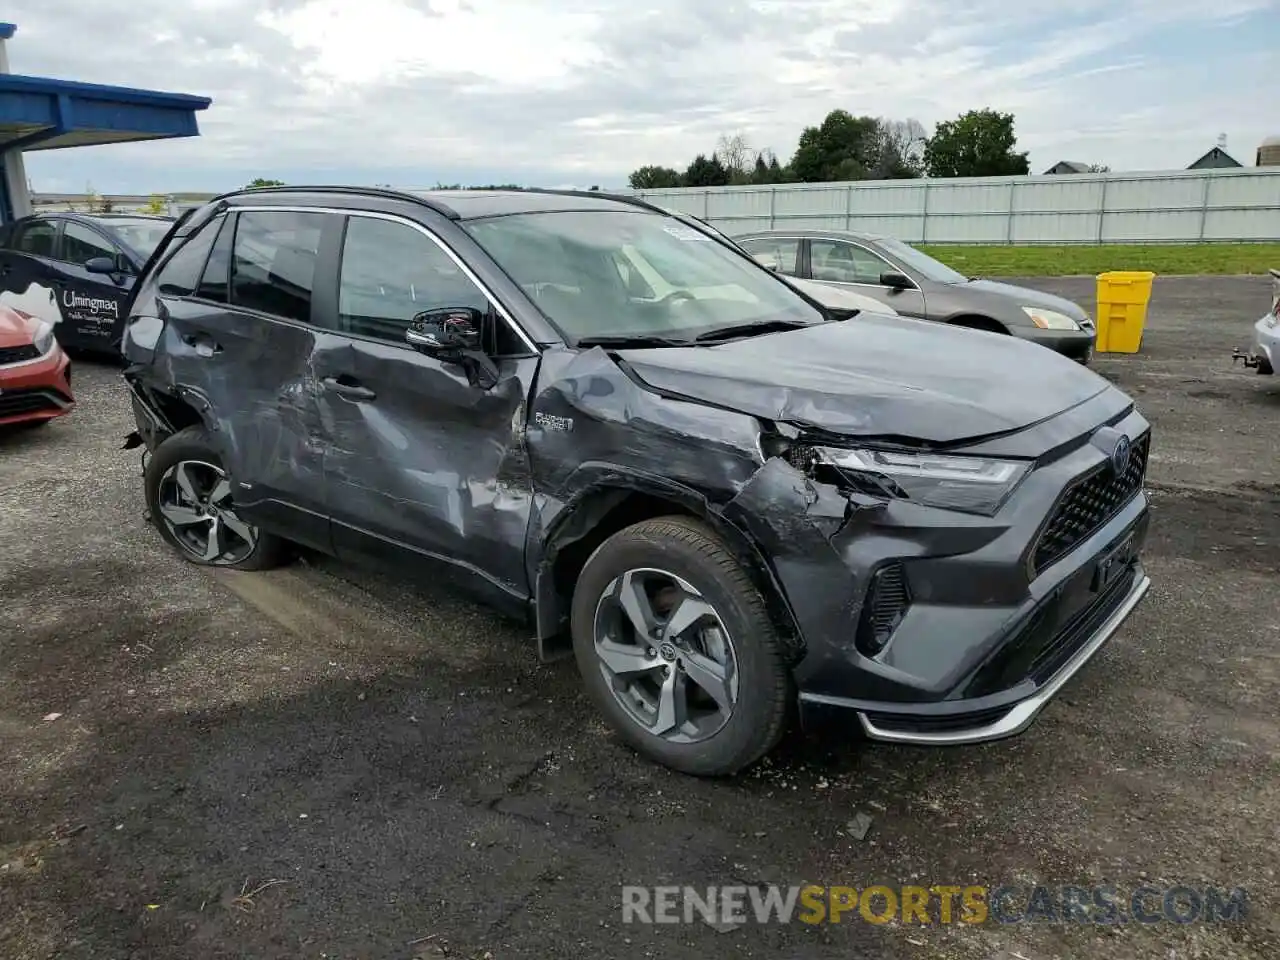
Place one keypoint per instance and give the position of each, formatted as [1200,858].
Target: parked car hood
[15,330]
[877,376]
[1026,296]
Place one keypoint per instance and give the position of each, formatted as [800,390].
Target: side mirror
[102,265]
[454,335]
[898,281]
[446,333]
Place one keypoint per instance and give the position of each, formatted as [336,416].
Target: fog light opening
[886,603]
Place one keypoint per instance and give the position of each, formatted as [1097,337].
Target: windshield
[632,274]
[920,262]
[141,234]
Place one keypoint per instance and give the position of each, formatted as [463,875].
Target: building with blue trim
[41,113]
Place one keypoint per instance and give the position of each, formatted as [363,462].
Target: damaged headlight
[970,484]
[43,339]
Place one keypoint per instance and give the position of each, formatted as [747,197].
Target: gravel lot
[404,765]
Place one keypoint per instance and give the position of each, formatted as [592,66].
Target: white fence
[1176,207]
[173,204]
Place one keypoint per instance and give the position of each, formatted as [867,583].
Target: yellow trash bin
[1122,310]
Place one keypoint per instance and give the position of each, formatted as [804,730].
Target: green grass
[1058,261]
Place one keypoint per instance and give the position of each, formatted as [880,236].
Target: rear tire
[701,685]
[190,499]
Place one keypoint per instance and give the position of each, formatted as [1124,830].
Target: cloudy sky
[554,93]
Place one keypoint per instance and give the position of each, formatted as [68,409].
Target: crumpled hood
[1027,297]
[877,376]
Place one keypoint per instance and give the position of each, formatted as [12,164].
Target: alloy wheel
[194,501]
[666,655]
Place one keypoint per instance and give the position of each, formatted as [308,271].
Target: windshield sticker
[686,233]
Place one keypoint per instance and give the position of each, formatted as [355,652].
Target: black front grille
[27,351]
[1088,504]
[16,402]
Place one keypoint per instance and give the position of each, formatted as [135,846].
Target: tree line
[979,143]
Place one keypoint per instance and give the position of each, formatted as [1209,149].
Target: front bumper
[957,722]
[36,390]
[1076,344]
[998,612]
[1266,345]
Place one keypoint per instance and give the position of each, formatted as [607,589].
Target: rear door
[238,342]
[777,253]
[93,304]
[423,467]
[27,270]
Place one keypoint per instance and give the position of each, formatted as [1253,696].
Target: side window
[845,262]
[273,262]
[80,245]
[390,272]
[181,273]
[217,272]
[776,254]
[36,237]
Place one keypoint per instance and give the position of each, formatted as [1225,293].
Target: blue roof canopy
[41,113]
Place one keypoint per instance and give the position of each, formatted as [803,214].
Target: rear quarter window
[180,275]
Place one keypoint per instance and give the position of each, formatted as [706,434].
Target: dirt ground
[318,763]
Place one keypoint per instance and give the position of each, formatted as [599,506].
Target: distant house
[1067,166]
[1216,158]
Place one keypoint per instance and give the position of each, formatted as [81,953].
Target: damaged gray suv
[724,499]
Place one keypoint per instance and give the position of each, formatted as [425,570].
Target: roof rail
[620,197]
[435,205]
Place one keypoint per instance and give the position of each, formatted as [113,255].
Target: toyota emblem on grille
[1120,455]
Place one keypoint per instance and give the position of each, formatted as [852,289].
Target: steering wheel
[677,296]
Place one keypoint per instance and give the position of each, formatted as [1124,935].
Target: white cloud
[536,91]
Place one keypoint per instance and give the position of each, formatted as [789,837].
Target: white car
[1266,338]
[837,298]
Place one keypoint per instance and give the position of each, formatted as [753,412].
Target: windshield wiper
[758,326]
[623,342]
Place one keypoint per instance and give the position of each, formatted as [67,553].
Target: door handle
[204,346]
[346,388]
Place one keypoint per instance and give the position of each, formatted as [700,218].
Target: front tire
[190,499]
[677,649]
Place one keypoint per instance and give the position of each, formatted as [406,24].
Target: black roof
[472,204]
[467,204]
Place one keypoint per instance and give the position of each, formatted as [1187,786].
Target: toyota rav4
[721,497]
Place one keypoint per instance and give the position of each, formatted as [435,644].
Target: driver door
[92,303]
[424,469]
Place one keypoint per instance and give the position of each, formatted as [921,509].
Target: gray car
[730,507]
[916,285]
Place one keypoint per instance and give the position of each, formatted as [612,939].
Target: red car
[35,375]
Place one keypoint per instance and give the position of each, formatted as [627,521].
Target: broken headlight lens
[969,484]
[43,339]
